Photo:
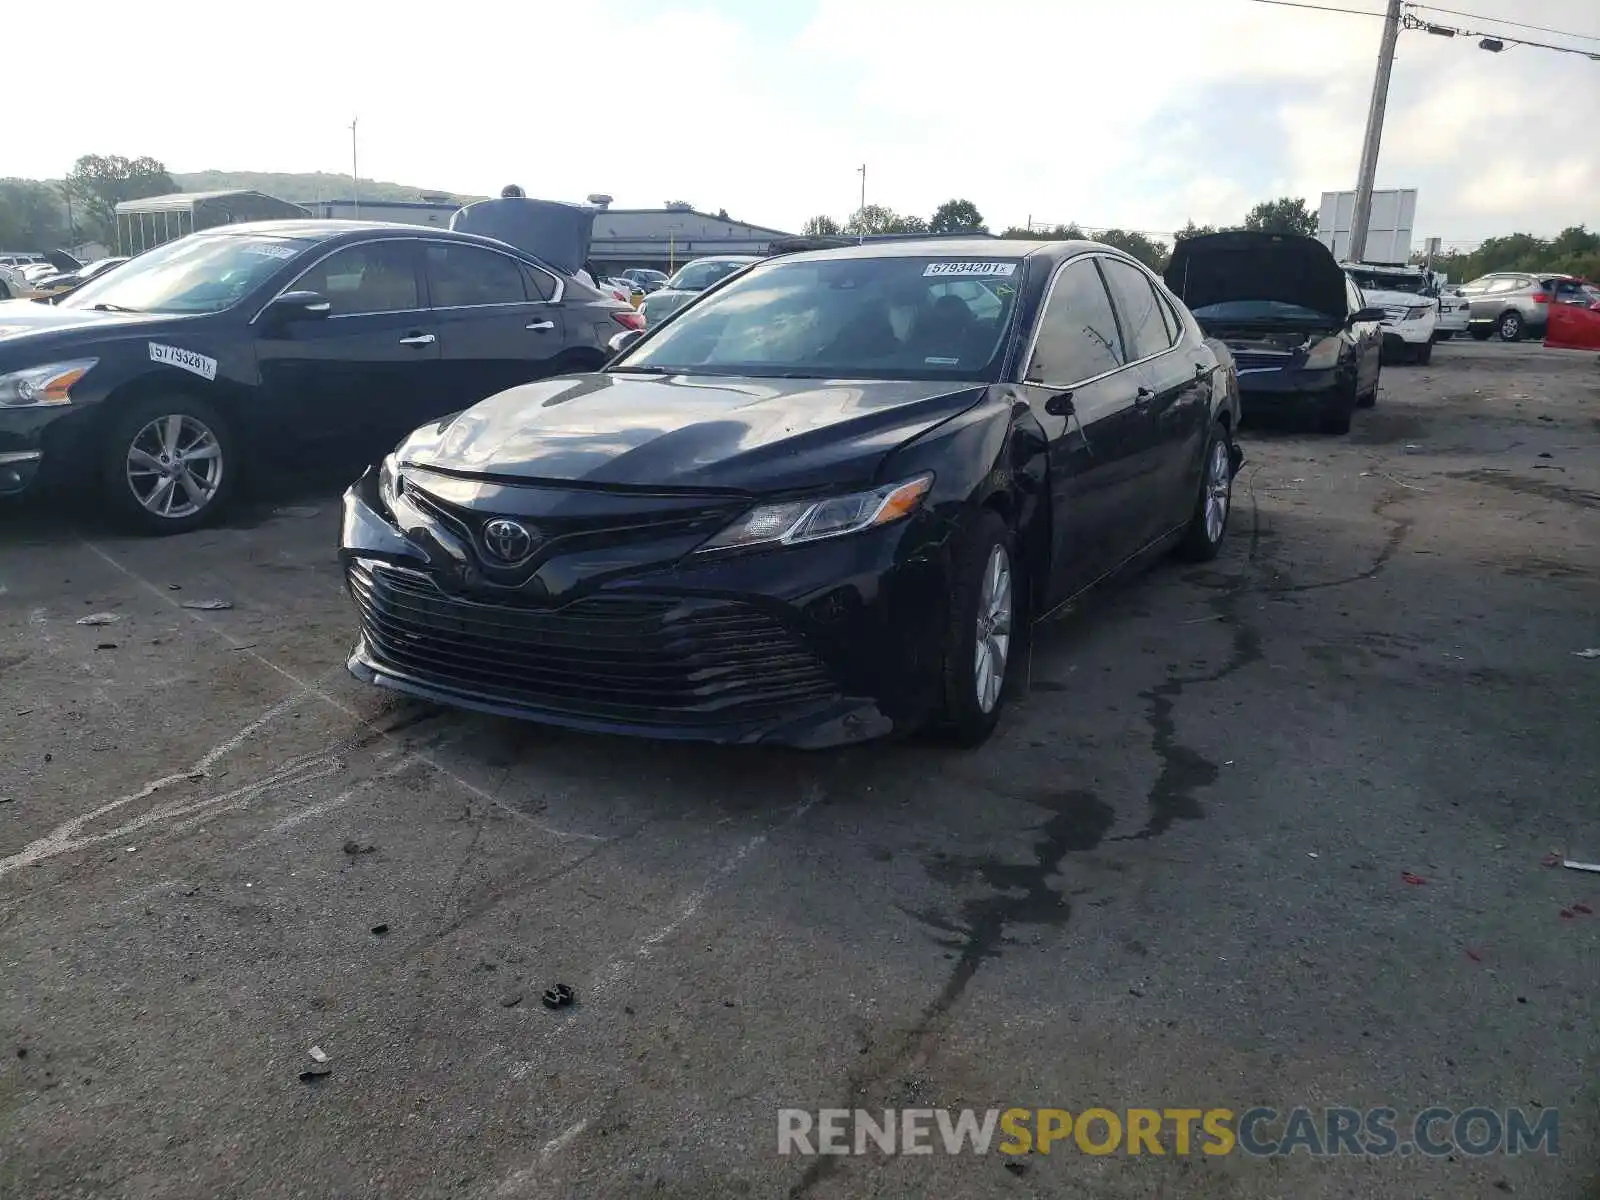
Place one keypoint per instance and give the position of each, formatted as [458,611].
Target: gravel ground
[1175,878]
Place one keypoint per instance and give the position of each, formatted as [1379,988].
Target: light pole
[355,175]
[1361,217]
[861,213]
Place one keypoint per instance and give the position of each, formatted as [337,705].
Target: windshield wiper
[644,370]
[104,307]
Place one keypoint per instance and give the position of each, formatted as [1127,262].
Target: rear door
[1174,394]
[1574,322]
[369,366]
[1085,398]
[500,321]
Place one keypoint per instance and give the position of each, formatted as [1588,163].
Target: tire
[964,718]
[1424,354]
[1480,333]
[1208,526]
[1511,326]
[136,489]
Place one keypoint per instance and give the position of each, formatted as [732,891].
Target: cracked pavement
[1174,878]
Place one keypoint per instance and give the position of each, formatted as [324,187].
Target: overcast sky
[1137,113]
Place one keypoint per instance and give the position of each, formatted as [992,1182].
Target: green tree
[1055,233]
[1152,254]
[1573,251]
[32,216]
[1192,230]
[876,219]
[823,226]
[955,215]
[99,182]
[1286,214]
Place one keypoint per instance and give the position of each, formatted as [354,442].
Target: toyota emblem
[508,541]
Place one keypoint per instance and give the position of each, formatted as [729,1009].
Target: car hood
[696,433]
[1384,299]
[28,328]
[1243,264]
[558,233]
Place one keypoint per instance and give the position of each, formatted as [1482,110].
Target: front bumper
[1288,391]
[1411,333]
[30,438]
[810,646]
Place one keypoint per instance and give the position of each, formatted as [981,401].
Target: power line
[1586,37]
[1349,12]
[1494,42]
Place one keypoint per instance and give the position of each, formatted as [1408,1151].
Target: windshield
[1371,281]
[698,276]
[853,318]
[1259,310]
[195,274]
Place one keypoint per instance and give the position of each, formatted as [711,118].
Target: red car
[1574,320]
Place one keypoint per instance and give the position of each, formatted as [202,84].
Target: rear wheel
[981,633]
[1511,326]
[168,464]
[1209,524]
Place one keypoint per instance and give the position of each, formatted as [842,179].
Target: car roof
[979,248]
[327,230]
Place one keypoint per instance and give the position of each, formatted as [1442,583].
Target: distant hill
[307,187]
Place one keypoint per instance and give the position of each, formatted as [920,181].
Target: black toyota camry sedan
[158,384]
[821,503]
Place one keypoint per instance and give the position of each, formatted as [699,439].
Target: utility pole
[355,175]
[1362,216]
[861,213]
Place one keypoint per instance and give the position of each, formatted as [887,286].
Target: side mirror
[299,306]
[1364,315]
[621,341]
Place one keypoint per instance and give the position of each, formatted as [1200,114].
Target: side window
[463,276]
[539,285]
[1169,317]
[1077,337]
[1353,296]
[1142,327]
[373,277]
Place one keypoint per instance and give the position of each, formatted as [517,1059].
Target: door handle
[418,339]
[540,326]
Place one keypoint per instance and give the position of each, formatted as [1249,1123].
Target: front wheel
[981,634]
[1209,523]
[1423,354]
[1511,326]
[168,464]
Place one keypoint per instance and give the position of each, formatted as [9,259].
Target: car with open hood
[823,503]
[1304,339]
[164,379]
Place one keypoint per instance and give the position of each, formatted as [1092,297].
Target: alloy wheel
[994,629]
[174,466]
[1219,484]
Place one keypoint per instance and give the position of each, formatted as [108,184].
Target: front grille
[1255,360]
[651,661]
[1396,312]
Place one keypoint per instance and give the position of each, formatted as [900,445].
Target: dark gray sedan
[691,279]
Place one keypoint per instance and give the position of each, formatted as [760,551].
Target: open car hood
[557,233]
[1243,264]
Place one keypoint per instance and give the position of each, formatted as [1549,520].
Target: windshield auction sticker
[991,269]
[184,360]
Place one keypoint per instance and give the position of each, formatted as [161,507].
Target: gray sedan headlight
[794,522]
[390,486]
[52,383]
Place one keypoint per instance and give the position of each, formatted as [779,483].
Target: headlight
[390,486]
[812,520]
[1323,355]
[1417,312]
[49,384]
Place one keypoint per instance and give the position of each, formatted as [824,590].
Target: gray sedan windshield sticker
[184,360]
[970,268]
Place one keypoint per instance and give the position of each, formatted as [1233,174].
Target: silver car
[1510,304]
[692,279]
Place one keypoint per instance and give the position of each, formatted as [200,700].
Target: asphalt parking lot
[1175,878]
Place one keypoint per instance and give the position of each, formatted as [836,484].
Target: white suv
[1410,313]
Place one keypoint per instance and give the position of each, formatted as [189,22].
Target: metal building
[142,224]
[666,238]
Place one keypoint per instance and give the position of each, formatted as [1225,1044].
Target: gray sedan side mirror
[621,341]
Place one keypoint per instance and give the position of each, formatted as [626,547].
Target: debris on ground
[100,619]
[511,1000]
[1413,880]
[318,1054]
[1568,915]
[174,587]
[559,996]
[1573,864]
[1591,652]
[1553,859]
[354,848]
[1584,909]
[296,510]
[105,646]
[1473,954]
[6,799]
[316,1072]
[208,605]
[380,930]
